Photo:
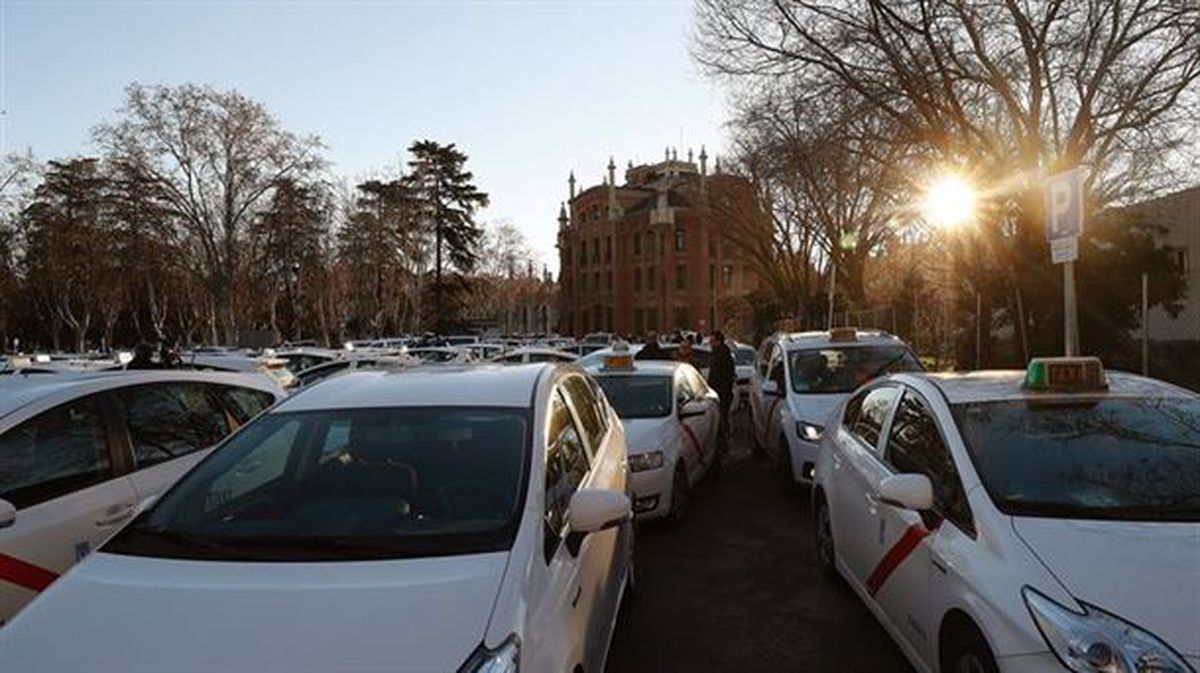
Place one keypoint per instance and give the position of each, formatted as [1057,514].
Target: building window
[680,277]
[637,244]
[583,254]
[608,248]
[596,282]
[727,276]
[682,319]
[651,278]
[712,248]
[637,280]
[639,321]
[595,251]
[652,319]
[679,235]
[662,244]
[608,281]
[596,318]
[712,276]
[608,325]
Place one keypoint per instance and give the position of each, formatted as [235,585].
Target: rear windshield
[1127,459]
[842,370]
[346,484]
[638,396]
[744,357]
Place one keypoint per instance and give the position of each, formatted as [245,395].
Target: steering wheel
[473,497]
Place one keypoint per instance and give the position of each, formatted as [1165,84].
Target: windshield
[638,396]
[744,357]
[346,484]
[1117,458]
[842,370]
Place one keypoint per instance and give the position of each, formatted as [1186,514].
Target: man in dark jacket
[652,350]
[722,375]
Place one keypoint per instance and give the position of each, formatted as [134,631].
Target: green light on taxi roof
[1035,375]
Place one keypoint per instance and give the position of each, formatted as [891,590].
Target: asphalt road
[735,587]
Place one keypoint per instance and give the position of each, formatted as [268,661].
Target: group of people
[722,374]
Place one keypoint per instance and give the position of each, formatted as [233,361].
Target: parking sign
[1064,205]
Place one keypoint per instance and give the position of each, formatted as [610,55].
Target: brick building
[648,254]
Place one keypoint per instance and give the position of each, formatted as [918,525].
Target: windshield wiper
[887,365]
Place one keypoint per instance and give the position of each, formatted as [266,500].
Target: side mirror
[8,513]
[770,388]
[907,491]
[692,408]
[594,510]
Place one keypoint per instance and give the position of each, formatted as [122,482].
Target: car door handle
[115,515]
[578,593]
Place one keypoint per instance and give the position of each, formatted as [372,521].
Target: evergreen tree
[448,201]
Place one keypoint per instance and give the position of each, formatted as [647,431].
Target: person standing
[722,375]
[652,350]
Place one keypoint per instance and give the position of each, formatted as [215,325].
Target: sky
[530,90]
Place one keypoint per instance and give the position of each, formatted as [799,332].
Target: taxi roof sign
[620,360]
[839,334]
[1066,374]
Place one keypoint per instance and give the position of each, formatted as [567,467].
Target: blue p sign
[1064,205]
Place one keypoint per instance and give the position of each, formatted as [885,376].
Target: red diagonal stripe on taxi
[896,555]
[25,574]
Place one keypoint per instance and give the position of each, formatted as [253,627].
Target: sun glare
[950,202]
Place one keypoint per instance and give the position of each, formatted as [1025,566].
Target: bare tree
[214,157]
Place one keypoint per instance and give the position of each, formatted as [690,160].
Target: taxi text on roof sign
[620,359]
[1066,374]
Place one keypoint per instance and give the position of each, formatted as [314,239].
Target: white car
[996,521]
[671,420]
[307,357]
[800,378]
[78,452]
[468,519]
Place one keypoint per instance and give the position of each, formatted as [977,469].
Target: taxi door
[59,470]
[774,405]
[694,435]
[901,584]
[563,607]
[755,393]
[857,471]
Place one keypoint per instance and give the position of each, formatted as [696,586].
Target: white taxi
[800,378]
[78,452]
[1008,521]
[438,518]
[671,418]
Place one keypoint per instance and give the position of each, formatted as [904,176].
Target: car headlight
[1095,641]
[650,460]
[503,659]
[808,432]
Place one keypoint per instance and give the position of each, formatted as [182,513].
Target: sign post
[1064,223]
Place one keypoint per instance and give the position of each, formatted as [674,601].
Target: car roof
[820,339]
[995,385]
[17,390]
[491,385]
[640,368]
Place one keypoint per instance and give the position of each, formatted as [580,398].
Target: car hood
[1145,573]
[814,408]
[647,434]
[130,614]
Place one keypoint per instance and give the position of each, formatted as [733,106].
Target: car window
[853,407]
[638,396]
[246,403]
[319,372]
[843,369]
[873,414]
[168,420]
[54,453]
[699,385]
[264,464]
[347,484]
[566,467]
[764,357]
[915,446]
[775,369]
[587,407]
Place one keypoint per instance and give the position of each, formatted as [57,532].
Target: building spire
[612,172]
[571,185]
[689,155]
[562,215]
[703,161]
